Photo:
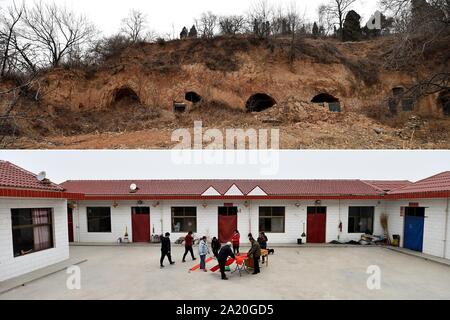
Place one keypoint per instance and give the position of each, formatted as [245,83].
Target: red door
[70,223]
[140,220]
[316,225]
[228,222]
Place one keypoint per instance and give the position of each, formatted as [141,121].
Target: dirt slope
[127,102]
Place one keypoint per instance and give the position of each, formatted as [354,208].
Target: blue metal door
[414,233]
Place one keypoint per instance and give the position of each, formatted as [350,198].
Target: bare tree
[151,36]
[420,26]
[259,18]
[419,12]
[8,30]
[207,25]
[295,21]
[335,12]
[134,26]
[9,102]
[54,31]
[232,25]
[279,24]
[326,20]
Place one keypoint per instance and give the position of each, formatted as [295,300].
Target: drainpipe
[161,214]
[446,228]
[78,221]
[385,211]
[249,216]
[340,221]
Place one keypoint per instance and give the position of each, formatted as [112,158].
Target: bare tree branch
[55,31]
[335,12]
[207,24]
[134,26]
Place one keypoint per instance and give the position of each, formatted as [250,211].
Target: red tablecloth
[241,259]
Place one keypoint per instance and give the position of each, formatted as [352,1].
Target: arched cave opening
[193,97]
[125,95]
[398,91]
[334,105]
[260,102]
[324,98]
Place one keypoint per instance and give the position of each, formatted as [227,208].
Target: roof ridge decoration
[258,192]
[234,191]
[211,192]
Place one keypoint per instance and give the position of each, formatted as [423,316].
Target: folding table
[241,265]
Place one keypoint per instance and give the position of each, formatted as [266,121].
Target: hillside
[127,101]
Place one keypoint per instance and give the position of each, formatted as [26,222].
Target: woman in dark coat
[262,240]
[165,249]
[215,246]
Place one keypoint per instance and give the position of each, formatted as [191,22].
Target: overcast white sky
[107,14]
[66,165]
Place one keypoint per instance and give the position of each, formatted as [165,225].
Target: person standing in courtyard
[215,246]
[262,241]
[235,240]
[188,244]
[166,249]
[222,258]
[255,254]
[203,251]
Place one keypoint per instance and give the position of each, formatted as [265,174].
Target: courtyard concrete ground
[294,273]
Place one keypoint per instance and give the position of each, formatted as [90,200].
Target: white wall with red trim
[11,266]
[207,218]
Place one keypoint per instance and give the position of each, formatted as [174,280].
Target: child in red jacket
[235,240]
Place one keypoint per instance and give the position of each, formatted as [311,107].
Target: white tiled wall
[434,228]
[11,267]
[207,219]
[120,221]
[207,224]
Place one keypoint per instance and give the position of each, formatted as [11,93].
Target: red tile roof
[388,185]
[437,183]
[12,176]
[198,187]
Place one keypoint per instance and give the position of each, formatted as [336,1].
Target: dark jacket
[224,253]
[188,240]
[262,240]
[255,251]
[215,245]
[165,244]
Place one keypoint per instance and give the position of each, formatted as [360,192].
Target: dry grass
[214,112]
[329,52]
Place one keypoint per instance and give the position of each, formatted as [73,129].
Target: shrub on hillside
[109,48]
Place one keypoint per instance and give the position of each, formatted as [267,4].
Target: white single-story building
[33,222]
[316,211]
[38,218]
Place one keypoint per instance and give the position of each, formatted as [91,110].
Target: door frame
[149,224]
[228,214]
[325,223]
[404,225]
[71,233]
